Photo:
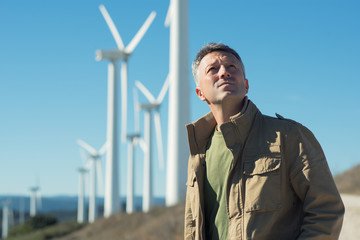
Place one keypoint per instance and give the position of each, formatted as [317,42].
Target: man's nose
[223,72]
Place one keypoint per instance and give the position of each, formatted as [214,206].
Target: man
[251,176]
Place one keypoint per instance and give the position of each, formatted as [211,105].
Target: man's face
[221,79]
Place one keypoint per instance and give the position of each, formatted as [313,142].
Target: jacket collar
[235,131]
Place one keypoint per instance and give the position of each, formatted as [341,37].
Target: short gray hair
[209,48]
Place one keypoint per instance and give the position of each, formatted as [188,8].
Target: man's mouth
[226,83]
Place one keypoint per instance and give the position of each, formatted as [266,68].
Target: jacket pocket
[262,183]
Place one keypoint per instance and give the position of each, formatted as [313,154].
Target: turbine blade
[123,100]
[112,27]
[99,176]
[136,111]
[142,144]
[163,91]
[139,35]
[103,149]
[83,156]
[146,92]
[87,166]
[159,139]
[169,15]
[87,147]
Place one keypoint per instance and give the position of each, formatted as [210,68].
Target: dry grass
[160,223]
[349,181]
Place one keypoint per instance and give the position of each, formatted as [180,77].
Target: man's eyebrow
[212,63]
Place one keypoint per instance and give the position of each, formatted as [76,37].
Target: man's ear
[247,85]
[200,94]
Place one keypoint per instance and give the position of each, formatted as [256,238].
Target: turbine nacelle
[96,156]
[83,170]
[133,136]
[149,106]
[34,189]
[112,55]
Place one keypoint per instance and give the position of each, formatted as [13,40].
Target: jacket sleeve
[313,183]
[189,221]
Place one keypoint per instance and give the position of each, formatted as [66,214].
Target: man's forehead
[217,56]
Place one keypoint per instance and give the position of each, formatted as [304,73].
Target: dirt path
[351,225]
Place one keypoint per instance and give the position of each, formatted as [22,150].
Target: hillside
[168,223]
[159,223]
[349,181]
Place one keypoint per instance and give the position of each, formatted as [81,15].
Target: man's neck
[223,112]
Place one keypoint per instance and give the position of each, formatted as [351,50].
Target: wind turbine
[81,195]
[95,166]
[153,105]
[122,53]
[179,102]
[35,200]
[134,139]
[5,219]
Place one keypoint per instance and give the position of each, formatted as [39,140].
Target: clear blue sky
[302,59]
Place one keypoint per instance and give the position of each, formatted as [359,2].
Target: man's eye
[211,69]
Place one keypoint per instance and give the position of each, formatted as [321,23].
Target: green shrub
[31,224]
[41,221]
[50,232]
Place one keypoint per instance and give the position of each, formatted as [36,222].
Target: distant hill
[65,203]
[48,204]
[349,181]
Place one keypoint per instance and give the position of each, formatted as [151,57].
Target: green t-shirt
[218,161]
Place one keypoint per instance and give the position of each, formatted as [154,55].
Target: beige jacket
[279,186]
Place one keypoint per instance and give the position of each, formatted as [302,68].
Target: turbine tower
[179,102]
[35,200]
[95,166]
[153,105]
[5,219]
[81,195]
[134,139]
[112,203]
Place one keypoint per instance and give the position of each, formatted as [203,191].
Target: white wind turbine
[81,195]
[35,200]
[153,105]
[134,139]
[5,219]
[179,102]
[95,169]
[122,53]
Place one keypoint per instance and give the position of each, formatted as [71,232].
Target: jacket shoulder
[290,121]
[279,120]
[293,127]
[286,124]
